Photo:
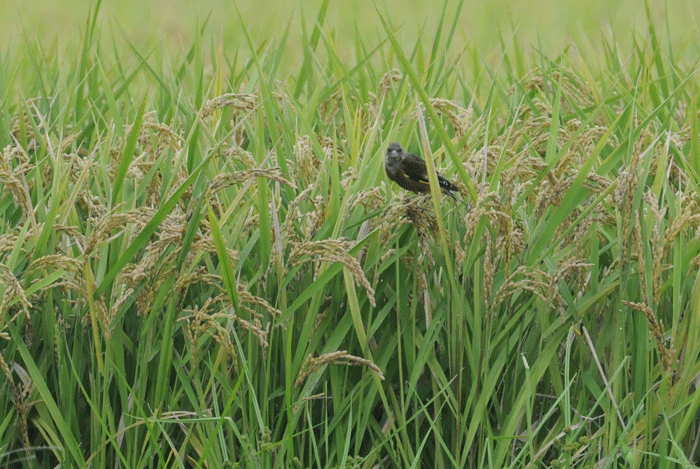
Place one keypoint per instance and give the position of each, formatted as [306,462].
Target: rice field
[203,263]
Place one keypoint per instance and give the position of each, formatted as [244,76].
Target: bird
[410,172]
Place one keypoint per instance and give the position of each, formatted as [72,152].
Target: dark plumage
[410,172]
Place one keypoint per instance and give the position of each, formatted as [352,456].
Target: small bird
[410,172]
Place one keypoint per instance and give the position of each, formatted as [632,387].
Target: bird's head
[394,151]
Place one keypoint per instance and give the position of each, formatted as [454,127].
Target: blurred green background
[482,25]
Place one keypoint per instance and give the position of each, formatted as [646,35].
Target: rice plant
[204,264]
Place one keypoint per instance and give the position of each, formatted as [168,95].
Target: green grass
[204,265]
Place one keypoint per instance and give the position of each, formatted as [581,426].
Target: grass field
[486,28]
[203,264]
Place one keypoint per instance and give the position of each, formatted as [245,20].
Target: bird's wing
[446,184]
[414,168]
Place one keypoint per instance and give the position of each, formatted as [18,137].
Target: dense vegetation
[204,265]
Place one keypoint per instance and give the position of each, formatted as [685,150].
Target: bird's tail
[454,197]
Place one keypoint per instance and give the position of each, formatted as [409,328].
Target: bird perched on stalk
[410,172]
